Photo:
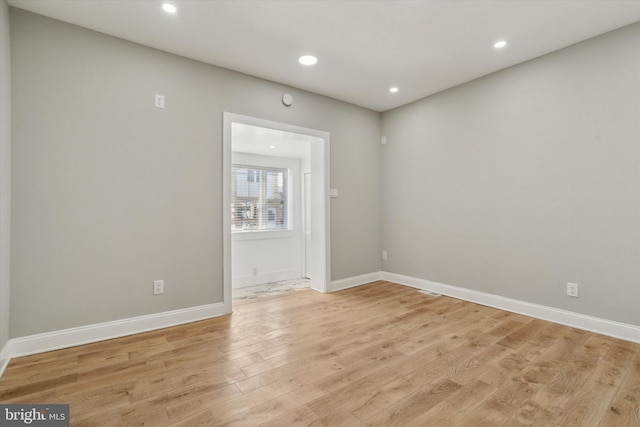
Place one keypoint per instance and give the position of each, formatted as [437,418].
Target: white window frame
[261,212]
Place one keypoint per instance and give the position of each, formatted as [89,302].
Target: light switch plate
[159,102]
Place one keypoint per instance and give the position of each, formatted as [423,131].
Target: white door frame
[306,225]
[320,227]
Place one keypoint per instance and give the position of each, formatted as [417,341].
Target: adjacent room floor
[270,289]
[379,355]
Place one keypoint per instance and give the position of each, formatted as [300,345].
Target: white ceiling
[270,142]
[363,46]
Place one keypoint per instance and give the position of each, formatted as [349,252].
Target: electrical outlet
[384,255]
[158,287]
[255,271]
[572,290]
[159,101]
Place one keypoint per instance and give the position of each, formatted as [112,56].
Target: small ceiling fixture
[393,90]
[272,146]
[500,44]
[169,8]
[307,60]
[287,100]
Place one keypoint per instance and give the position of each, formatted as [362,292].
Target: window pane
[258,198]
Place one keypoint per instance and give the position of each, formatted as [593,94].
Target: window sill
[262,234]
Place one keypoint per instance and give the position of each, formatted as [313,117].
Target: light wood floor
[380,354]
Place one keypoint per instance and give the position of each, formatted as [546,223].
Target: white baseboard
[581,321]
[268,277]
[5,357]
[48,341]
[351,282]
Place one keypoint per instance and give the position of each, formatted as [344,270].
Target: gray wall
[110,193]
[513,184]
[5,171]
[522,181]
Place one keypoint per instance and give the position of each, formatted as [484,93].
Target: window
[258,198]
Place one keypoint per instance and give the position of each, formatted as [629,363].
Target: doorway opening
[275,198]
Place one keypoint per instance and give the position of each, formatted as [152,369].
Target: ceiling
[270,142]
[363,46]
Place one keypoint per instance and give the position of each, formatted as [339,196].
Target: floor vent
[430,293]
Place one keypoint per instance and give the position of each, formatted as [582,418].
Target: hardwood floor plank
[238,407]
[573,364]
[89,404]
[520,336]
[303,391]
[490,413]
[301,416]
[181,409]
[591,401]
[408,410]
[337,419]
[201,419]
[383,396]
[624,409]
[452,410]
[25,389]
[470,369]
[265,412]
[376,355]
[361,389]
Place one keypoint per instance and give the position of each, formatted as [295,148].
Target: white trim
[262,235]
[227,293]
[610,328]
[5,357]
[352,282]
[55,340]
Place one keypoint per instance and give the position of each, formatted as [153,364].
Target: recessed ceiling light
[500,44]
[393,90]
[169,8]
[272,146]
[307,60]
